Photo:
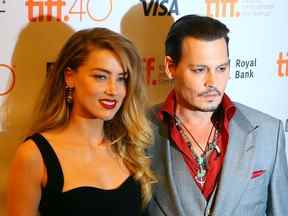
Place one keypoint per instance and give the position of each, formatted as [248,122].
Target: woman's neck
[90,131]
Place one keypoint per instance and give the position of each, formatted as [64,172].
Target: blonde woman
[86,151]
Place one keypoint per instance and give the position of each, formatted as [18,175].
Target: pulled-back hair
[199,27]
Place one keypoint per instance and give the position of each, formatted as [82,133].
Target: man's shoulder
[155,108]
[158,124]
[153,112]
[253,115]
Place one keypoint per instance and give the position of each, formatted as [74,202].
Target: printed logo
[256,7]
[160,7]
[41,10]
[282,62]
[222,8]
[154,74]
[2,10]
[245,68]
[8,78]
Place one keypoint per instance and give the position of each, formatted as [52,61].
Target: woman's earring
[68,94]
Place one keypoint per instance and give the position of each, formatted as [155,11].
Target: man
[212,156]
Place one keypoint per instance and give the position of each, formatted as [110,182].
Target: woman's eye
[99,77]
[122,79]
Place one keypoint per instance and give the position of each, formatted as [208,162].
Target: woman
[86,152]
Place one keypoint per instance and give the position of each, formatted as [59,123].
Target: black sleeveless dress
[83,201]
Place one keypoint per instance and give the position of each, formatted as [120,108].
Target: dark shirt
[84,200]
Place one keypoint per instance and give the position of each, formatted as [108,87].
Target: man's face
[201,75]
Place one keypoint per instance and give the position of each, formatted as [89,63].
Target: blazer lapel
[191,200]
[165,193]
[237,167]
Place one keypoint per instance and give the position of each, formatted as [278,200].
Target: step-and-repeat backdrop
[33,31]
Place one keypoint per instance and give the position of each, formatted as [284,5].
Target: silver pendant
[200,177]
[201,173]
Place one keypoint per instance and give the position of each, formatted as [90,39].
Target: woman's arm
[24,186]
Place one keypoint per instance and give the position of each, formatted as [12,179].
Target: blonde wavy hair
[129,130]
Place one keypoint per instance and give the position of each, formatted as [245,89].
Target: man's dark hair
[199,27]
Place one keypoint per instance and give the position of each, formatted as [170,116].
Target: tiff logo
[221,8]
[282,62]
[3,11]
[37,7]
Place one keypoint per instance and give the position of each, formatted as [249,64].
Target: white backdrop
[33,31]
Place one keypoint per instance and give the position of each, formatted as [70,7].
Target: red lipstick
[108,104]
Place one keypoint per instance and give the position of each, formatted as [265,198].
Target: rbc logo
[160,7]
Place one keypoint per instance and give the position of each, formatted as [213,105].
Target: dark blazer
[256,146]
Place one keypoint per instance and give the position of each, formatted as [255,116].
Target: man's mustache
[209,91]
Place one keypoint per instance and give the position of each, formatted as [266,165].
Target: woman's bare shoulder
[28,154]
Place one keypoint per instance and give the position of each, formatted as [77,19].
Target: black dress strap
[55,178]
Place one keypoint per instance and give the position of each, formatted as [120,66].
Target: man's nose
[210,78]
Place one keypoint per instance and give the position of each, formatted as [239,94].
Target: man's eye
[221,69]
[198,70]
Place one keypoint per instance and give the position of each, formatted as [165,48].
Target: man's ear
[69,77]
[170,67]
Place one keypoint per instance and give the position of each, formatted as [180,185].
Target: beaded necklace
[202,158]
